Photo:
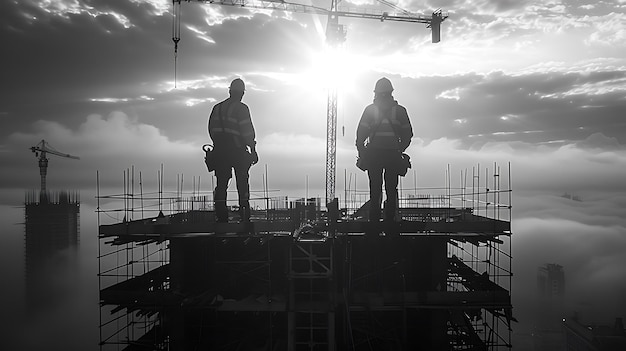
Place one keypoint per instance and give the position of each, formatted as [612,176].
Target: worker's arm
[406,130]
[213,122]
[363,130]
[248,134]
[255,156]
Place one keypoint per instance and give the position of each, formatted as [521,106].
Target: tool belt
[388,159]
[210,157]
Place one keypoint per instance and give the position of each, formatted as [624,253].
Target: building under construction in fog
[302,277]
[52,223]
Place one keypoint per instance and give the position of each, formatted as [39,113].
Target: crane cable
[176,33]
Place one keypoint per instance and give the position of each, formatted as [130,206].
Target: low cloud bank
[115,143]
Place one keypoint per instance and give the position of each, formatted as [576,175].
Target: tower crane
[335,35]
[41,150]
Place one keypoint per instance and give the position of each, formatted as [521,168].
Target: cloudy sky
[539,84]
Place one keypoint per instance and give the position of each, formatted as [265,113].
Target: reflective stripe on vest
[384,135]
[228,124]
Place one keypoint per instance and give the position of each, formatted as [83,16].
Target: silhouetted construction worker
[383,134]
[232,132]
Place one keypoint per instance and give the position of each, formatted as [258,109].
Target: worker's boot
[374,212]
[221,213]
[390,213]
[244,213]
[390,223]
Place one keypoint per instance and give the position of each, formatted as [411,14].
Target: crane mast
[41,150]
[335,36]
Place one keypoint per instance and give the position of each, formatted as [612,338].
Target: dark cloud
[477,5]
[587,7]
[534,107]
[64,62]
[507,5]
[576,7]
[58,62]
[248,41]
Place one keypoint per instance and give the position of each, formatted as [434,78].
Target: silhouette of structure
[548,331]
[52,223]
[52,227]
[41,150]
[302,277]
[551,282]
[582,337]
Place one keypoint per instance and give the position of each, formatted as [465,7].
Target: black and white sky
[540,84]
[535,80]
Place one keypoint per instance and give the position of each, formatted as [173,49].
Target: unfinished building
[303,277]
[52,229]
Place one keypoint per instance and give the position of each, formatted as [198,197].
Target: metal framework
[334,9]
[41,150]
[293,279]
[331,144]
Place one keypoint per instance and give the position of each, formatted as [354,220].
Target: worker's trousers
[223,173]
[382,169]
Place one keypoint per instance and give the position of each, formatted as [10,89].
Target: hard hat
[383,85]
[237,85]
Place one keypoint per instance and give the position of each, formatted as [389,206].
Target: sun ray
[333,68]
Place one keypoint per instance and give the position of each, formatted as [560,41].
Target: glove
[255,157]
[360,148]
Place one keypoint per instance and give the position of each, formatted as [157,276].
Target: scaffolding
[302,277]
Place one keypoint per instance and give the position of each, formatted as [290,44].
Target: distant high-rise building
[551,282]
[581,337]
[548,331]
[52,232]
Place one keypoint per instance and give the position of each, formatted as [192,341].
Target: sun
[333,68]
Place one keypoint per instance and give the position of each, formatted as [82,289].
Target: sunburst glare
[333,68]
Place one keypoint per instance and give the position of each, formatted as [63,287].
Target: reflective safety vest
[230,124]
[385,132]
